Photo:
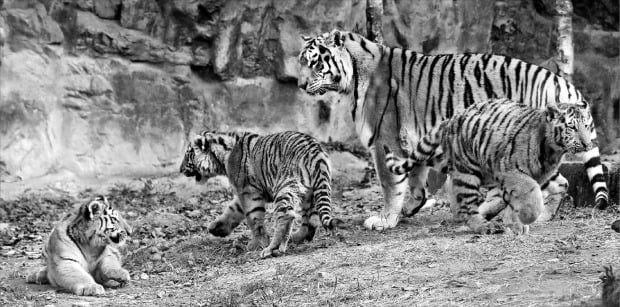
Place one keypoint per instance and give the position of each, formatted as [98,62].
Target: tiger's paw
[219,228]
[268,252]
[492,228]
[481,226]
[257,243]
[382,221]
[517,229]
[89,290]
[121,276]
[39,277]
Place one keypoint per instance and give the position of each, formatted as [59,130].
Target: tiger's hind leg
[253,205]
[39,277]
[309,221]
[286,200]
[466,191]
[394,188]
[524,198]
[70,275]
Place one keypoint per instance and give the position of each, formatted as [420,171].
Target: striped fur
[289,169]
[399,95]
[500,143]
[82,252]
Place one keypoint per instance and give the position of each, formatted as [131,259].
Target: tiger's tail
[425,153]
[322,196]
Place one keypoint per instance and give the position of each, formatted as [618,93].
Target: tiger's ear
[553,112]
[306,38]
[94,208]
[198,142]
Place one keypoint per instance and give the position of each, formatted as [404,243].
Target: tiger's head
[326,65]
[201,159]
[98,225]
[571,126]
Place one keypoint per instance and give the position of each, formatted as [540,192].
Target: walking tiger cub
[81,253]
[289,168]
[500,144]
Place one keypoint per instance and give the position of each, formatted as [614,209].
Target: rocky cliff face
[104,87]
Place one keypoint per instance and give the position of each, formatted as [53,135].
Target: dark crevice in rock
[205,72]
[324,112]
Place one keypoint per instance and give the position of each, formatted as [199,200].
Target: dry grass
[427,260]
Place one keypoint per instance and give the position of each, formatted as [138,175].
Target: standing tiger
[505,144]
[290,169]
[399,95]
[82,252]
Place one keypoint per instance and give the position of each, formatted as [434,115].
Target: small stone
[156,257]
[160,294]
[10,253]
[154,250]
[325,275]
[4,227]
[553,260]
[144,276]
[80,304]
[194,213]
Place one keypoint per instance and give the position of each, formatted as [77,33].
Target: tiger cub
[290,169]
[81,253]
[500,144]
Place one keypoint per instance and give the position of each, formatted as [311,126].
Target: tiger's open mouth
[116,239]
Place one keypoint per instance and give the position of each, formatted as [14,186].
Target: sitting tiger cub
[81,253]
[290,169]
[505,144]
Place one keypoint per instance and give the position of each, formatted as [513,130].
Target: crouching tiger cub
[81,253]
[289,169]
[500,144]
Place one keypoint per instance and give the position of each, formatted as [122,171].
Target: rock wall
[108,87]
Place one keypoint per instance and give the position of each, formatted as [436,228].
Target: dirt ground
[428,260]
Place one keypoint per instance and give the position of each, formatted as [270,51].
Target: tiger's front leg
[554,191]
[394,187]
[229,220]
[109,271]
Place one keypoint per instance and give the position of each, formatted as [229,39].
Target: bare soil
[428,260]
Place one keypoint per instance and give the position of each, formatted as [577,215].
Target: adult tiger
[81,254]
[290,169]
[399,95]
[504,144]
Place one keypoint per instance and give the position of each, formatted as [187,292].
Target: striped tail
[424,154]
[396,165]
[594,169]
[322,195]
